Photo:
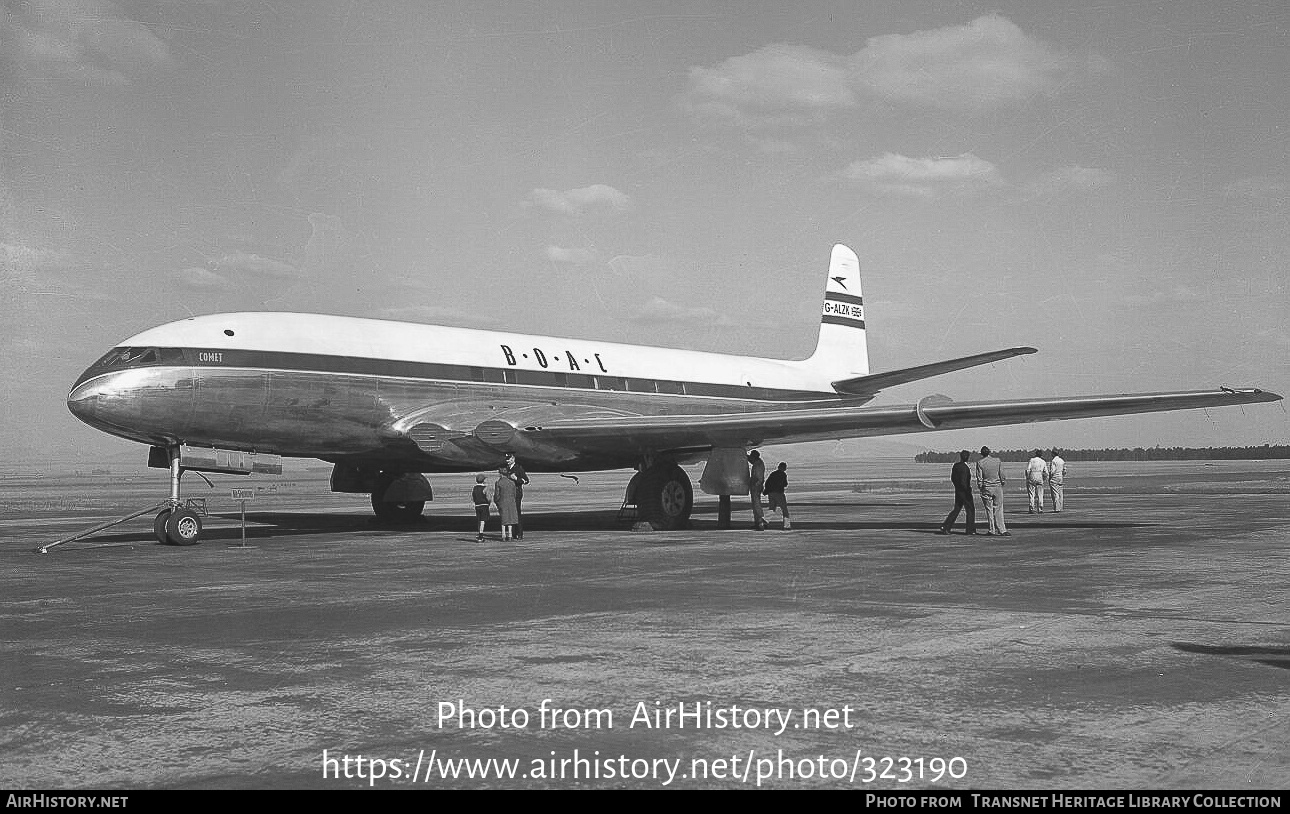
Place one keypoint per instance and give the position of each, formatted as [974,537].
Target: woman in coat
[506,498]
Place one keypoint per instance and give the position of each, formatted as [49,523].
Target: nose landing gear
[177,524]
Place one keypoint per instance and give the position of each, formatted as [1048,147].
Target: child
[481,500]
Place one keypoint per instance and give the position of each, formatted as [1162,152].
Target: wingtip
[1252,393]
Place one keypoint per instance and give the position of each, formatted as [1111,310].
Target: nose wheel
[178,527]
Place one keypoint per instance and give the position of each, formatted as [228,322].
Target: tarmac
[1139,640]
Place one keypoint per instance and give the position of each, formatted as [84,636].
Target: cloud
[986,64]
[577,257]
[577,201]
[1258,189]
[200,279]
[658,310]
[1069,179]
[1179,295]
[235,270]
[924,177]
[30,271]
[254,264]
[774,77]
[87,41]
[974,68]
[26,261]
[437,315]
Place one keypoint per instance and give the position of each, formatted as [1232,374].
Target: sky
[1107,182]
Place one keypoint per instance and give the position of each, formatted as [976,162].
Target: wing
[870,385]
[610,436]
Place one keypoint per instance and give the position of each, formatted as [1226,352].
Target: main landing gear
[397,497]
[662,494]
[400,498]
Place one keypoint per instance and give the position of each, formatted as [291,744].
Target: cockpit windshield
[125,357]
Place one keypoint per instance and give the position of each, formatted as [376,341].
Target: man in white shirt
[1036,474]
[1056,475]
[990,480]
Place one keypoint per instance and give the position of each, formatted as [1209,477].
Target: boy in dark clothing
[776,483]
[481,500]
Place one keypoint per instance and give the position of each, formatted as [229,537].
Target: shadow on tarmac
[269,525]
[1271,656]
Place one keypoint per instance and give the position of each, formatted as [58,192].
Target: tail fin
[842,351]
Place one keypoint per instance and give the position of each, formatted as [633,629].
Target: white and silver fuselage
[343,388]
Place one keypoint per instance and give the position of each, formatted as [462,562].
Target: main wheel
[184,527]
[396,512]
[159,526]
[664,497]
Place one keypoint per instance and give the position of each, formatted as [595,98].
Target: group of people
[990,481]
[508,494]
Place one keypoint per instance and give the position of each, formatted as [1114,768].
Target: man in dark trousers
[775,486]
[756,483]
[516,473]
[961,477]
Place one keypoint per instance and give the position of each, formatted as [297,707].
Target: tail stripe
[836,297]
[829,319]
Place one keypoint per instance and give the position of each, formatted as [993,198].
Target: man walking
[990,480]
[961,477]
[775,486]
[1036,473]
[756,483]
[1056,475]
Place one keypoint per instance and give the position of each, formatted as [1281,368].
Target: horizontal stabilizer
[870,385]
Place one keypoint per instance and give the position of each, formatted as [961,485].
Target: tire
[664,497]
[389,512]
[183,527]
[159,526]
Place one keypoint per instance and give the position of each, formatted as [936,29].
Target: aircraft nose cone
[84,401]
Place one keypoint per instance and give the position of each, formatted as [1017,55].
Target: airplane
[386,402]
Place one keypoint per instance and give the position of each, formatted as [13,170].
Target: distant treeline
[1265,452]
